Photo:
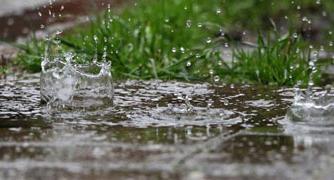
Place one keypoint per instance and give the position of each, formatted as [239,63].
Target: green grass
[177,39]
[282,61]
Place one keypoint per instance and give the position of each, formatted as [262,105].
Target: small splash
[317,106]
[310,119]
[312,104]
[67,85]
[184,114]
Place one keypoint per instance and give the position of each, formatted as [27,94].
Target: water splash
[67,85]
[313,104]
[310,119]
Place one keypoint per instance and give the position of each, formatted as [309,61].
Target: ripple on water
[157,127]
[181,116]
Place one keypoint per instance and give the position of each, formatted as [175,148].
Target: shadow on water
[157,130]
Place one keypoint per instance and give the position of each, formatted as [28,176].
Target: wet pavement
[160,130]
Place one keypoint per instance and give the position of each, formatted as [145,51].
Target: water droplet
[58,32]
[295,35]
[174,50]
[209,103]
[188,23]
[208,40]
[305,19]
[216,78]
[218,11]
[109,8]
[95,38]
[188,64]
[39,14]
[182,50]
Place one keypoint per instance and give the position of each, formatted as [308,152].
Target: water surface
[161,130]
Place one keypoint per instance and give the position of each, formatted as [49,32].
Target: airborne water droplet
[182,49]
[295,35]
[216,79]
[208,40]
[188,23]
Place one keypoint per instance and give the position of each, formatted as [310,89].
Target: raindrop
[208,40]
[209,103]
[109,8]
[216,79]
[188,23]
[39,14]
[218,11]
[295,35]
[188,64]
[174,50]
[182,49]
[305,19]
[95,38]
[58,32]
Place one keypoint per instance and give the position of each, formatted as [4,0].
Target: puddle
[161,130]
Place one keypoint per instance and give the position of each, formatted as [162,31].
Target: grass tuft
[280,61]
[181,39]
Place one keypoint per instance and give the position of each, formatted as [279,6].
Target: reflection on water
[162,130]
